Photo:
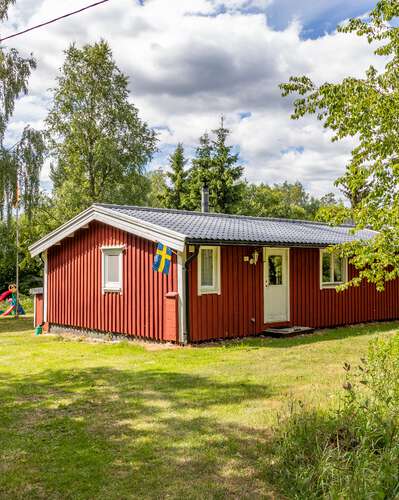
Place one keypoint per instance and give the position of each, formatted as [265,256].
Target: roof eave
[121,221]
[218,242]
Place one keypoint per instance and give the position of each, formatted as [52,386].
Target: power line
[53,20]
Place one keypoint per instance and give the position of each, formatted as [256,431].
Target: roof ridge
[213,214]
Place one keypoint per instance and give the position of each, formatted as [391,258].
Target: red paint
[147,309]
[171,318]
[39,305]
[320,308]
[229,314]
[75,297]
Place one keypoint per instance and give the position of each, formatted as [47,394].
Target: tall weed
[349,451]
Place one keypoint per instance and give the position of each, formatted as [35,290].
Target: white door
[276,283]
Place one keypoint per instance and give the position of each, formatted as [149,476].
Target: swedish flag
[163,258]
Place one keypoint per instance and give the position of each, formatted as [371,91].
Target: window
[112,269]
[209,270]
[275,269]
[333,269]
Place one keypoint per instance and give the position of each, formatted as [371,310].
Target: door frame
[267,250]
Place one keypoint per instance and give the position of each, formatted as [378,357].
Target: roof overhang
[126,223]
[245,243]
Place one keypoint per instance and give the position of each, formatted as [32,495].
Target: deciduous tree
[14,74]
[365,108]
[98,142]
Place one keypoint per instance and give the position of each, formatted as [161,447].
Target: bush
[346,452]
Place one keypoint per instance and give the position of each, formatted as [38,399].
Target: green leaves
[99,145]
[30,155]
[366,109]
[285,200]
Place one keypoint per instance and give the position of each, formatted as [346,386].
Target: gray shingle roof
[219,228]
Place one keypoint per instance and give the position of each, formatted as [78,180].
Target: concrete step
[291,331]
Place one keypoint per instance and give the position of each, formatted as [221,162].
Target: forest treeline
[99,150]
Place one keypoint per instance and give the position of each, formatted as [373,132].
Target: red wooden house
[230,276]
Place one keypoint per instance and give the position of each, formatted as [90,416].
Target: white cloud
[189,61]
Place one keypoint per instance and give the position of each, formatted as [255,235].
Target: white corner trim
[131,225]
[181,287]
[45,287]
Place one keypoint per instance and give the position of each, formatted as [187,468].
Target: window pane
[338,270]
[275,270]
[113,268]
[207,267]
[326,267]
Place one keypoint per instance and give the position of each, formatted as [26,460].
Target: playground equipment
[11,296]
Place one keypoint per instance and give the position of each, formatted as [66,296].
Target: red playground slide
[4,295]
[11,296]
[8,311]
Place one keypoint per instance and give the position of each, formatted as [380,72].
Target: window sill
[112,290]
[208,292]
[331,285]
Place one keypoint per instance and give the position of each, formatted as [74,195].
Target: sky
[191,61]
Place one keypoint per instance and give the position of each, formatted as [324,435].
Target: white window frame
[332,284]
[215,288]
[112,287]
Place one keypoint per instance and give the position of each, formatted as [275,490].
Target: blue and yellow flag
[162,259]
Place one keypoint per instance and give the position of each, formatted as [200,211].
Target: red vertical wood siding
[238,310]
[171,317]
[75,297]
[320,308]
[39,309]
[229,314]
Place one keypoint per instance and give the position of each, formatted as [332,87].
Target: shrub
[351,451]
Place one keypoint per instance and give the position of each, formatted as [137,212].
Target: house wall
[238,310]
[75,297]
[242,290]
[147,306]
[311,306]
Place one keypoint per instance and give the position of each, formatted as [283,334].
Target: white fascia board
[131,225]
[147,230]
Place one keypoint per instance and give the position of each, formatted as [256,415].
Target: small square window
[333,269]
[209,270]
[112,269]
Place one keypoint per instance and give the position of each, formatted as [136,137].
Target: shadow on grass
[107,433]
[10,324]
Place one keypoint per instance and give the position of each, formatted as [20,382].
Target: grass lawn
[114,421]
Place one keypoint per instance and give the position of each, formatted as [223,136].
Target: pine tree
[176,193]
[224,187]
[216,167]
[200,174]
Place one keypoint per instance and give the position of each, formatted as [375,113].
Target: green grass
[82,420]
